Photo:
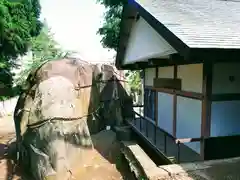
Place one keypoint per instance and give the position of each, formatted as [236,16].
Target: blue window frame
[149,103]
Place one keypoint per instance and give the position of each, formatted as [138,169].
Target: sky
[74,24]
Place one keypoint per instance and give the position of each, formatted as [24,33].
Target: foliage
[134,80]
[18,23]
[110,29]
[112,3]
[43,48]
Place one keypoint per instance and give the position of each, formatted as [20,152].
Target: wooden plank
[189,167]
[140,155]
[156,111]
[225,97]
[192,95]
[206,104]
[156,101]
[221,147]
[187,140]
[144,106]
[175,105]
[167,83]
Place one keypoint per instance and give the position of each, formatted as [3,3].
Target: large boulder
[64,103]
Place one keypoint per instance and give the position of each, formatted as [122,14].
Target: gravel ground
[104,162]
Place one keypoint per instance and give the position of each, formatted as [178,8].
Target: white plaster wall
[144,43]
[191,76]
[225,118]
[221,83]
[189,120]
[165,112]
[150,74]
[166,72]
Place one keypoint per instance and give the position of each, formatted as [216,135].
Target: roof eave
[129,15]
[188,53]
[135,8]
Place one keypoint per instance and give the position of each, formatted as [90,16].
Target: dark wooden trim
[144,105]
[166,134]
[175,105]
[144,74]
[131,17]
[155,63]
[156,99]
[221,147]
[156,72]
[137,66]
[192,95]
[156,107]
[206,104]
[165,90]
[225,97]
[175,72]
[174,59]
[188,140]
[207,95]
[215,54]
[163,157]
[169,83]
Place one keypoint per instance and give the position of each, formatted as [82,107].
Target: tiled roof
[199,23]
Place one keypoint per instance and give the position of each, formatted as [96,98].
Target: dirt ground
[104,162]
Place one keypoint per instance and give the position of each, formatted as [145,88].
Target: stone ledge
[145,169]
[139,162]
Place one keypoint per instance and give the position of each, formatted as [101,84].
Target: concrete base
[145,168]
[139,162]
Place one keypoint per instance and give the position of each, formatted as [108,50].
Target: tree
[110,32]
[18,23]
[43,48]
[110,29]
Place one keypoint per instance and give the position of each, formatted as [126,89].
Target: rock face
[65,102]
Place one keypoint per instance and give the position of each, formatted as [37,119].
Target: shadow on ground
[106,144]
[7,161]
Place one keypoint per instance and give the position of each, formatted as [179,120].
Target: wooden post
[143,93]
[206,104]
[156,111]
[156,100]
[175,104]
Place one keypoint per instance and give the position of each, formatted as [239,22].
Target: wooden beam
[167,83]
[188,94]
[156,99]
[160,62]
[174,59]
[221,147]
[131,17]
[144,105]
[156,71]
[225,97]
[156,110]
[175,105]
[206,104]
